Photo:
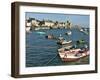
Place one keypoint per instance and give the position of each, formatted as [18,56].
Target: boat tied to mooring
[70,55]
[62,41]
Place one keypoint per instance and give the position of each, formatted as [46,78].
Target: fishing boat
[50,36]
[81,30]
[84,31]
[65,47]
[73,54]
[60,37]
[68,33]
[62,41]
[81,41]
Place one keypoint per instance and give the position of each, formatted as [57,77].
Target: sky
[82,20]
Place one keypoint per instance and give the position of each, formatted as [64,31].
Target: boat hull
[72,55]
[64,42]
[72,59]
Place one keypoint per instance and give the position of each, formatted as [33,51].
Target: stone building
[48,23]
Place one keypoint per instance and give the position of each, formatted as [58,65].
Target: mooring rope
[51,60]
[41,46]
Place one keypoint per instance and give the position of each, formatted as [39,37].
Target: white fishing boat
[73,54]
[68,33]
[61,41]
[60,37]
[84,31]
[66,47]
[81,30]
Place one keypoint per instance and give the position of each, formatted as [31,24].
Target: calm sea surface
[43,52]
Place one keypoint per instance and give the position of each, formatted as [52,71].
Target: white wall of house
[49,23]
[28,24]
[35,23]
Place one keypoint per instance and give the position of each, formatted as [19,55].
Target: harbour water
[43,52]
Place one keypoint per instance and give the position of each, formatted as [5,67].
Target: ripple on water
[39,50]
